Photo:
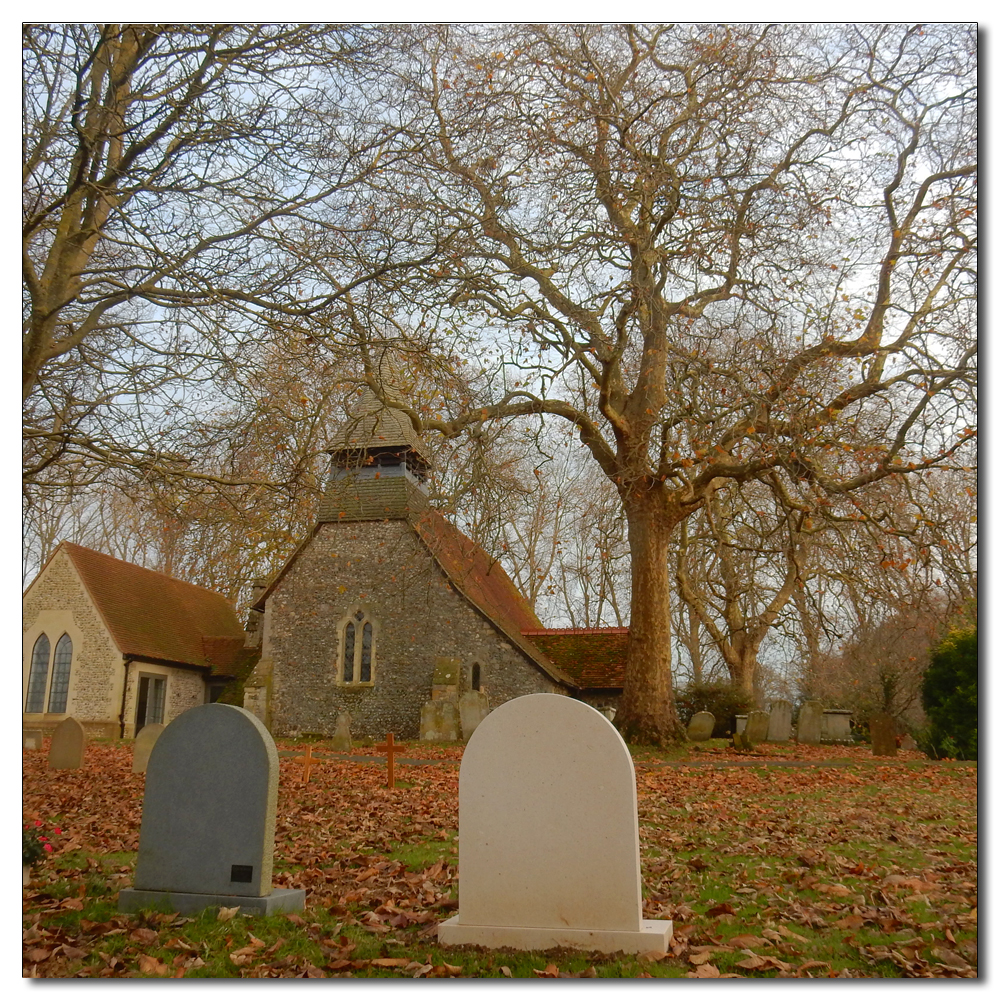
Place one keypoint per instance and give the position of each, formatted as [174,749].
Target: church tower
[378,469]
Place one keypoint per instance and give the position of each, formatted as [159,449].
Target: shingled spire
[379,464]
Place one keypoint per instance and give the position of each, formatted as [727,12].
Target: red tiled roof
[485,583]
[593,657]
[480,578]
[153,616]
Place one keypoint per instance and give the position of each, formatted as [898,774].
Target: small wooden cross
[390,750]
[307,760]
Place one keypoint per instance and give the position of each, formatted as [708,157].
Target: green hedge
[950,696]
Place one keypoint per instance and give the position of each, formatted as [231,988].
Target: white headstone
[549,834]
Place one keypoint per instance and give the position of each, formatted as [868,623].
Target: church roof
[153,616]
[483,582]
[593,657]
[376,426]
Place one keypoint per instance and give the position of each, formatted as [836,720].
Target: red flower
[38,822]
[56,830]
[48,847]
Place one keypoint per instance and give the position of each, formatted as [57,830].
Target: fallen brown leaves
[801,828]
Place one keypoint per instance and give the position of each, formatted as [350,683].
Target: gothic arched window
[59,688]
[38,676]
[357,662]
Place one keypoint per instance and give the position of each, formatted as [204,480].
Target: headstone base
[652,935]
[277,901]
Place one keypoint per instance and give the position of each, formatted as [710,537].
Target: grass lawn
[774,864]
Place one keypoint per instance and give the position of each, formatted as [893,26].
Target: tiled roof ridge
[144,569]
[587,630]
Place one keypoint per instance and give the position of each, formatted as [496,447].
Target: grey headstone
[810,728]
[883,730]
[756,729]
[32,739]
[446,673]
[341,739]
[741,723]
[143,746]
[907,742]
[439,720]
[207,833]
[701,726]
[837,725]
[473,707]
[68,741]
[779,725]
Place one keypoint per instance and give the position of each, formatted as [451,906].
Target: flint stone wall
[384,569]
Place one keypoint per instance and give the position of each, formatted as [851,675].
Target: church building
[118,646]
[384,607]
[382,592]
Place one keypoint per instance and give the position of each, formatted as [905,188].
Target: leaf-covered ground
[789,862]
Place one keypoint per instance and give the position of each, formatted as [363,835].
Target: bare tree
[750,563]
[177,179]
[719,253]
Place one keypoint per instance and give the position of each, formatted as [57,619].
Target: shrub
[950,695]
[723,700]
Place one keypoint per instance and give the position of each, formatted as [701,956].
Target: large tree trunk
[647,713]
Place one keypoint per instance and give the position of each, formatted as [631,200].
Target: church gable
[383,571]
[57,605]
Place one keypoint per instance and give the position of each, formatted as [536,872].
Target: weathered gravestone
[837,725]
[883,730]
[810,728]
[741,723]
[341,739]
[907,742]
[756,728]
[700,727]
[207,834]
[439,720]
[549,834]
[68,742]
[779,724]
[143,745]
[445,680]
[473,707]
[31,739]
